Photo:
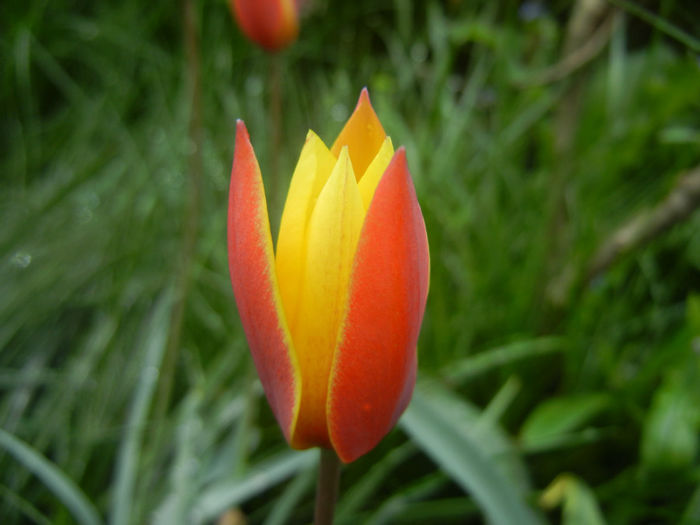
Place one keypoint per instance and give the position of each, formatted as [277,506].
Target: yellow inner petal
[310,175]
[363,134]
[332,235]
[368,182]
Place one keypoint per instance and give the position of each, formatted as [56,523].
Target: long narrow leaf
[127,460]
[475,365]
[463,459]
[283,509]
[56,480]
[223,496]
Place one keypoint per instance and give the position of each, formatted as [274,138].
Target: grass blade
[660,23]
[371,482]
[55,480]
[127,461]
[463,459]
[482,362]
[226,495]
[283,509]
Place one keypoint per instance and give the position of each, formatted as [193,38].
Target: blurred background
[555,149]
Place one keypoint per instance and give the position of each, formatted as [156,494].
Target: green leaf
[691,516]
[287,502]
[669,438]
[396,504]
[184,476]
[580,506]
[127,462]
[482,362]
[12,499]
[693,313]
[661,24]
[56,480]
[551,420]
[481,427]
[216,499]
[433,428]
[370,483]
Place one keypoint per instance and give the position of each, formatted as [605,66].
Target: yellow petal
[368,182]
[363,134]
[333,231]
[310,175]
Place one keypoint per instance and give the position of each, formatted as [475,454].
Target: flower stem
[275,78]
[327,487]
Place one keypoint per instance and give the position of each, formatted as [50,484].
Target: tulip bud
[332,318]
[272,24]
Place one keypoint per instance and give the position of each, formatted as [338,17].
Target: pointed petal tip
[241,130]
[363,133]
[399,159]
[364,99]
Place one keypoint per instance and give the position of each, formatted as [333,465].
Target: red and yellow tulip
[272,24]
[332,318]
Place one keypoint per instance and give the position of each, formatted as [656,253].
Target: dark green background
[127,393]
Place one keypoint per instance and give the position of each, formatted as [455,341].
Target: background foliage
[548,392]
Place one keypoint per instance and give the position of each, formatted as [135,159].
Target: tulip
[332,318]
[273,24]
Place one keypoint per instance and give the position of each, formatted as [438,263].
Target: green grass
[578,410]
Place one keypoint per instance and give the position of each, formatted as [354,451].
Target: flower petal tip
[242,135]
[364,95]
[400,157]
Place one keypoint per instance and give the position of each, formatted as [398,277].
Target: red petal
[374,366]
[251,263]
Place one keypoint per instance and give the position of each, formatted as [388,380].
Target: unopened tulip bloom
[272,24]
[332,318]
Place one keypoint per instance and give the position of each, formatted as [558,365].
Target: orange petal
[374,367]
[272,24]
[363,134]
[252,268]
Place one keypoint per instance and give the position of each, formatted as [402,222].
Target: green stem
[275,83]
[327,487]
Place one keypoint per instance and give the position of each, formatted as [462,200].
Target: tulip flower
[332,318]
[272,24]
